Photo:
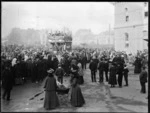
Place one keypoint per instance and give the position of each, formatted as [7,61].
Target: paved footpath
[98,97]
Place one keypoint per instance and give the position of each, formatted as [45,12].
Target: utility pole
[109,35]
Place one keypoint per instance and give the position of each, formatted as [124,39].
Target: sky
[56,15]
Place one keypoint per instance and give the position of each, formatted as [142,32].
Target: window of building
[126,13]
[127,45]
[126,37]
[126,40]
[146,14]
[127,18]
[145,4]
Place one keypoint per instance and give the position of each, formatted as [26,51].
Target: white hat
[50,70]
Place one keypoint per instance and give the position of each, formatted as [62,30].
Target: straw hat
[50,70]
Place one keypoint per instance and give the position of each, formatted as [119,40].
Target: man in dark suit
[96,60]
[115,59]
[18,69]
[7,81]
[67,66]
[55,62]
[84,59]
[93,68]
[101,69]
[120,63]
[49,62]
[143,79]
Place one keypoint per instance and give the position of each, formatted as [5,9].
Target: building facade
[106,38]
[131,26]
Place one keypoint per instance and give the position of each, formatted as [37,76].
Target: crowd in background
[32,62]
[21,63]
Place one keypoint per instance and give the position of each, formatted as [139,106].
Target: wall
[134,27]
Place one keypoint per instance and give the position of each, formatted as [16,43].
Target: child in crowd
[125,74]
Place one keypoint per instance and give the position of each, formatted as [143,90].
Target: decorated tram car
[60,41]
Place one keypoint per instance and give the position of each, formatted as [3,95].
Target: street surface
[98,97]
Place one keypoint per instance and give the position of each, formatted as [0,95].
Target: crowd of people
[22,63]
[115,67]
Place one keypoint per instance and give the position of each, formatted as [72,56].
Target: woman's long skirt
[137,69]
[51,100]
[77,98]
[80,80]
[112,80]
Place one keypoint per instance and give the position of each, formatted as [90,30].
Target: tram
[60,41]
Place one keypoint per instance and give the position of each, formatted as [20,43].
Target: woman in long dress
[112,76]
[77,99]
[138,65]
[80,72]
[51,100]
[74,72]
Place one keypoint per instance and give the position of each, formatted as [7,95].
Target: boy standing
[59,73]
[143,79]
[125,74]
